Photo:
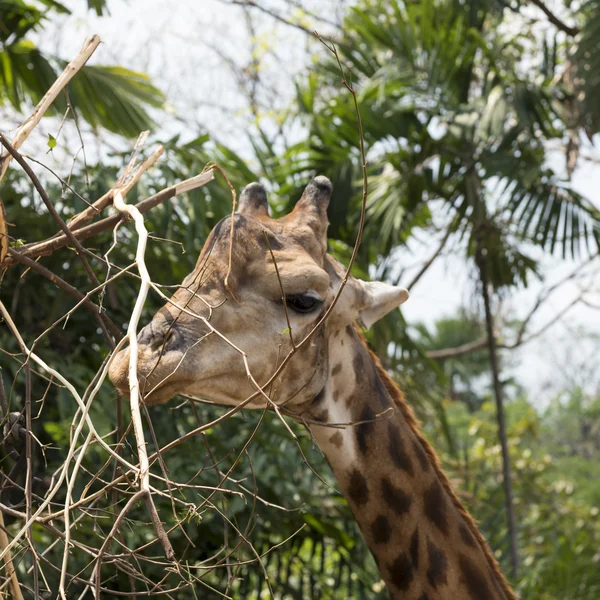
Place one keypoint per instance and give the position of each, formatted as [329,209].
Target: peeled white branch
[134,384]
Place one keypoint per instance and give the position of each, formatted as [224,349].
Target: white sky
[174,43]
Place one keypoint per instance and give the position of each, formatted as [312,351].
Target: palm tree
[457,120]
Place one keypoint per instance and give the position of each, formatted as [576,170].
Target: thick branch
[36,249]
[571,31]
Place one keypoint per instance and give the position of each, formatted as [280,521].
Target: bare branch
[126,181]
[267,11]
[570,31]
[36,249]
[89,47]
[57,218]
[458,350]
[103,320]
[29,124]
[8,563]
[429,262]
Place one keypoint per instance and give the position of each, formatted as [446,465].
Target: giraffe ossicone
[426,545]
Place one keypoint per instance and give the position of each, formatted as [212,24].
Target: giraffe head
[228,316]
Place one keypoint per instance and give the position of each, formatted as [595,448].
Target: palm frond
[25,74]
[555,216]
[114,98]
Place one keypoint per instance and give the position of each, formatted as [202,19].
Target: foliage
[559,530]
[454,121]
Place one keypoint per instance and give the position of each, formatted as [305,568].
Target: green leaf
[51,141]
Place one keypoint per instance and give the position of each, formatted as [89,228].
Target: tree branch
[272,14]
[29,124]
[103,320]
[69,72]
[429,262]
[57,218]
[48,246]
[570,31]
[458,350]
[126,181]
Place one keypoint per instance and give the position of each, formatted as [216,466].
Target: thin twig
[283,298]
[103,320]
[46,199]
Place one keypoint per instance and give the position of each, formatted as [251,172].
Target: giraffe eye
[303,303]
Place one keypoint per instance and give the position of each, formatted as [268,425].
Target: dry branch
[35,249]
[125,182]
[103,320]
[29,124]
[48,203]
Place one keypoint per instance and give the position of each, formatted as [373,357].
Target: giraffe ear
[378,300]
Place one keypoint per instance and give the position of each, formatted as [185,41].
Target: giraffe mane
[409,416]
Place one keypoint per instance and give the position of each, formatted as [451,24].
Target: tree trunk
[506,470]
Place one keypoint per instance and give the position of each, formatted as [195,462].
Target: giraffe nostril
[159,337]
[146,335]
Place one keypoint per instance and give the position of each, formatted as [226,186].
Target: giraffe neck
[425,544]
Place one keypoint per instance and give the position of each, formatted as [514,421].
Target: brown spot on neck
[414,548]
[337,439]
[436,507]
[466,535]
[380,530]
[398,452]
[359,363]
[365,428]
[394,497]
[401,572]
[474,580]
[357,489]
[421,456]
[438,566]
[322,416]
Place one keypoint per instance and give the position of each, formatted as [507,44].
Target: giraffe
[426,545]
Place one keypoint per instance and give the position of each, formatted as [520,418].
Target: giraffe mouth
[159,379]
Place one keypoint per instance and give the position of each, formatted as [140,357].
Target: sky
[191,50]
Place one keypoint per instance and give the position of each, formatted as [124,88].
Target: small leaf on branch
[51,141]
